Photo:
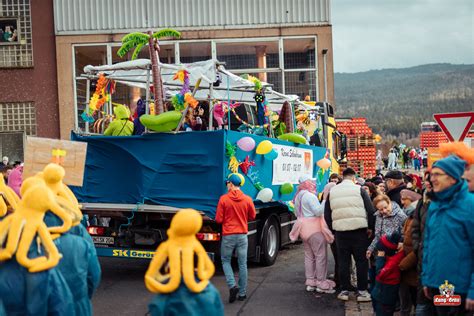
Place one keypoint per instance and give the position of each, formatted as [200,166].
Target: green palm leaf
[136,37]
[125,48]
[137,50]
[166,33]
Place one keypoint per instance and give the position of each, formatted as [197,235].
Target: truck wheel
[270,242]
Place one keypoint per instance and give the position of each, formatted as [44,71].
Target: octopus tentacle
[5,228]
[24,245]
[14,234]
[62,214]
[3,207]
[205,267]
[72,209]
[50,247]
[188,272]
[153,277]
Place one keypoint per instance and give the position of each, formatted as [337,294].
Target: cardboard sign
[70,155]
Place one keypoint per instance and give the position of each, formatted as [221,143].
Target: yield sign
[455,125]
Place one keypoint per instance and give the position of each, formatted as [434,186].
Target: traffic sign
[455,125]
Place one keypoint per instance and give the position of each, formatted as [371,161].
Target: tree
[137,40]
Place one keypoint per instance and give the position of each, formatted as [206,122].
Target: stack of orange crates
[432,139]
[361,151]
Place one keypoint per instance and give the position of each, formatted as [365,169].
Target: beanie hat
[234,179]
[452,165]
[304,178]
[409,194]
[389,243]
[394,174]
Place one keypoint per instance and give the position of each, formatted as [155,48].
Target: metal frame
[214,50]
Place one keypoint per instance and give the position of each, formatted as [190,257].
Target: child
[387,281]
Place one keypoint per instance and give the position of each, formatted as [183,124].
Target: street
[274,290]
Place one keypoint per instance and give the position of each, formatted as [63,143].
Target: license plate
[103,240]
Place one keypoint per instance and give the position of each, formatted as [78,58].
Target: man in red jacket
[234,211]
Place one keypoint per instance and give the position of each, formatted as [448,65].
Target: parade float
[134,184]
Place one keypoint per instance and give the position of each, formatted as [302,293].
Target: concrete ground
[275,290]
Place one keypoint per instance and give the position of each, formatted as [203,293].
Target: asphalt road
[276,290]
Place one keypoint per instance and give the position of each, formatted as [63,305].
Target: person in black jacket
[423,305]
[394,183]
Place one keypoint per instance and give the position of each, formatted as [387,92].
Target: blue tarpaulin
[181,170]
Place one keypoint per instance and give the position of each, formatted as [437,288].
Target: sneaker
[328,291]
[241,298]
[233,294]
[363,296]
[310,288]
[343,296]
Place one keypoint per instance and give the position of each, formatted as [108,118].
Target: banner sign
[291,164]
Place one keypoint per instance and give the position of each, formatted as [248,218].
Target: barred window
[16,45]
[18,117]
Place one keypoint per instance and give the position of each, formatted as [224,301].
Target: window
[248,55]
[18,117]
[16,45]
[9,33]
[190,52]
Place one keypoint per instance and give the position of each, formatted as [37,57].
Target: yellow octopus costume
[182,290]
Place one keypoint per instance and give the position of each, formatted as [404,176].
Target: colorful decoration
[253,176]
[272,155]
[103,89]
[324,163]
[265,126]
[179,99]
[286,188]
[230,149]
[257,83]
[246,164]
[233,165]
[265,195]
[178,254]
[246,143]
[164,122]
[264,147]
[293,137]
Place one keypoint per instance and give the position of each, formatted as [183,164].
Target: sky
[378,34]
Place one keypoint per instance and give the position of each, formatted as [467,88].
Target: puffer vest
[348,211]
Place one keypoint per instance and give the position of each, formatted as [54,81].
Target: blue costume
[42,293]
[79,266]
[185,302]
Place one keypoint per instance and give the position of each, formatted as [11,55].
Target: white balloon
[265,195]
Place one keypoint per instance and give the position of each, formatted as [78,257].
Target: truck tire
[270,241]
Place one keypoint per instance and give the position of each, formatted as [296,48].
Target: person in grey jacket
[389,218]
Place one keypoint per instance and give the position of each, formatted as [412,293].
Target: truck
[134,185]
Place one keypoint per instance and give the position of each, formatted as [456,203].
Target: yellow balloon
[264,147]
[324,163]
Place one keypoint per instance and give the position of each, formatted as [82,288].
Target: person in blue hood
[39,294]
[448,250]
[79,266]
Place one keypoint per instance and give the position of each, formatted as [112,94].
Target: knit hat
[394,174]
[389,243]
[409,194]
[234,179]
[452,165]
[305,178]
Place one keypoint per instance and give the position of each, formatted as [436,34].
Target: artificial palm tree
[137,40]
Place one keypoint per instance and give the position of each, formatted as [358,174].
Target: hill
[396,101]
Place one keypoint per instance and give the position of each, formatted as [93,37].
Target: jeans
[239,243]
[424,310]
[353,243]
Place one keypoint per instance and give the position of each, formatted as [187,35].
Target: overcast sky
[376,34]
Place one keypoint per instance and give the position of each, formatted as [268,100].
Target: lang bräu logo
[446,297]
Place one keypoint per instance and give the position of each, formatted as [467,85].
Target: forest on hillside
[396,101]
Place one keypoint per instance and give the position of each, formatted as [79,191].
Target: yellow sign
[133,253]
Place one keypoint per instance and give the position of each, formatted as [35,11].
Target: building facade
[28,93]
[285,43]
